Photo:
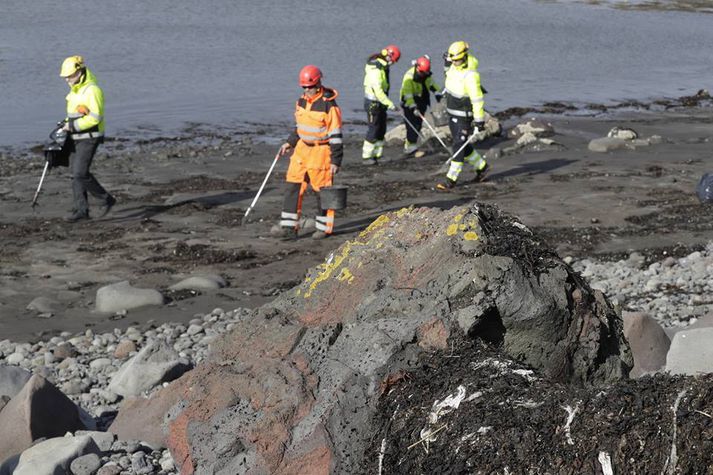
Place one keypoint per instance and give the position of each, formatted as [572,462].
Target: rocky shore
[624,218]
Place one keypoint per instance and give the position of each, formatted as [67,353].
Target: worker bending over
[416,87]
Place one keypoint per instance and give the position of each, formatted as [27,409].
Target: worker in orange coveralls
[318,151]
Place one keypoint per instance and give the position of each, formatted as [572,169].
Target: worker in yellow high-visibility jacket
[465,107]
[85,127]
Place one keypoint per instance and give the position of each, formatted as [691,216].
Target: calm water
[163,63]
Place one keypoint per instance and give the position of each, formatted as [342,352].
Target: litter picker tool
[433,130]
[259,192]
[413,128]
[39,187]
[55,156]
[470,139]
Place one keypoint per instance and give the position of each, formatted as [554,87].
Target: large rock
[122,296]
[691,352]
[154,364]
[532,126]
[145,418]
[50,457]
[293,389]
[12,380]
[608,144]
[39,410]
[200,282]
[648,341]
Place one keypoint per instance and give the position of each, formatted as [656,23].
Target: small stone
[64,351]
[15,358]
[85,465]
[140,464]
[124,349]
[110,468]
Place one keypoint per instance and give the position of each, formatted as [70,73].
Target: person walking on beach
[317,156]
[377,102]
[85,127]
[416,86]
[465,107]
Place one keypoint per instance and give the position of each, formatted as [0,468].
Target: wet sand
[180,204]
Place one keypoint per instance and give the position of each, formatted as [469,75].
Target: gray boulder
[43,305]
[50,457]
[691,352]
[122,296]
[154,364]
[608,144]
[38,410]
[648,341]
[12,380]
[294,388]
[533,126]
[200,282]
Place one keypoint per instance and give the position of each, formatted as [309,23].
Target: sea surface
[232,63]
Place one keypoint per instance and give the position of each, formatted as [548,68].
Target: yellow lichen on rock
[452,230]
[345,274]
[470,236]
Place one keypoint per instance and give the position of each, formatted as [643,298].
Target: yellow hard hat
[457,50]
[71,65]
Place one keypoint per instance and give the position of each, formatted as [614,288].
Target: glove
[479,125]
[393,108]
[438,96]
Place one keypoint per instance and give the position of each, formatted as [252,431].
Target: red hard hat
[423,64]
[310,76]
[393,52]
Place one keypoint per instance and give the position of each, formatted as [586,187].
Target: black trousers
[293,199]
[461,129]
[80,160]
[376,118]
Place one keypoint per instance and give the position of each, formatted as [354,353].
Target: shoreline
[202,134]
[181,202]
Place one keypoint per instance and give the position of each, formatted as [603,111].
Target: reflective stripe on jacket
[85,108]
[464,94]
[415,87]
[376,81]
[319,122]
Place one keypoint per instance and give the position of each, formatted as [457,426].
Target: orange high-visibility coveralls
[317,140]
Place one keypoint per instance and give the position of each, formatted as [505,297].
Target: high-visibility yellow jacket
[464,96]
[415,87]
[85,108]
[376,81]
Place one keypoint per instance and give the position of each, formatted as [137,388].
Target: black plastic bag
[705,188]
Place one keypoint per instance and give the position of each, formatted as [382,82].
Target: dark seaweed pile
[517,425]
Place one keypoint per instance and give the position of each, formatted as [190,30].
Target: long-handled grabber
[252,205]
[465,144]
[39,187]
[413,128]
[433,130]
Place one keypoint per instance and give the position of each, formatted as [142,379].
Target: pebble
[85,465]
[673,291]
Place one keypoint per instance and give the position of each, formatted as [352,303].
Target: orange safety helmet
[393,52]
[310,76]
[423,64]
